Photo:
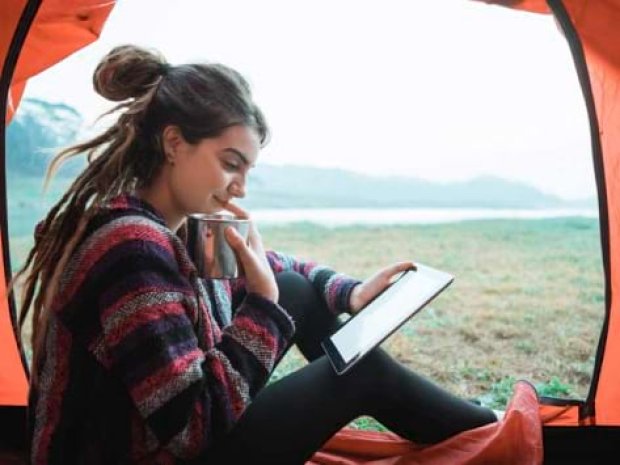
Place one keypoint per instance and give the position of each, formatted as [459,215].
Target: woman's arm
[185,389]
[335,287]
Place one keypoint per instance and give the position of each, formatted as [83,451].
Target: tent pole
[10,63]
[576,48]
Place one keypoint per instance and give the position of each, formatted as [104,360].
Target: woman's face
[204,176]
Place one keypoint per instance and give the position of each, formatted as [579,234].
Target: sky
[442,90]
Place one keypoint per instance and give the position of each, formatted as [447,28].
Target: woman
[138,360]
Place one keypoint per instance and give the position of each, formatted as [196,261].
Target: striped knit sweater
[144,362]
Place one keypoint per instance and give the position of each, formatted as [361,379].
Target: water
[333,217]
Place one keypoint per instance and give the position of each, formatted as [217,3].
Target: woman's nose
[237,189]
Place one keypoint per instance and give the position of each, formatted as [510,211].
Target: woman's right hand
[259,277]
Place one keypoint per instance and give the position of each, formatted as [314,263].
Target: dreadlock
[202,100]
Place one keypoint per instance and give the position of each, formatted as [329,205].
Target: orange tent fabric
[598,27]
[535,6]
[13,382]
[517,440]
[9,20]
[596,23]
[59,28]
[67,24]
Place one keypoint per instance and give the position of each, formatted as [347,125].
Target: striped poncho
[144,362]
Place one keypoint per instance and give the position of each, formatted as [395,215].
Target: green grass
[527,301]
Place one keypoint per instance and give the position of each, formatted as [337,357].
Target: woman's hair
[201,99]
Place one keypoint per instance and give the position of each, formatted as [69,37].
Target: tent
[35,34]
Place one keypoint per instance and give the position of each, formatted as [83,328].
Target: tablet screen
[383,315]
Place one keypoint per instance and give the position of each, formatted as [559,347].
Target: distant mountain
[271,186]
[37,132]
[40,128]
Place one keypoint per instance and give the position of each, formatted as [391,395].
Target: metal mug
[213,256]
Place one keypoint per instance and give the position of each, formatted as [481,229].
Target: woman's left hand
[369,289]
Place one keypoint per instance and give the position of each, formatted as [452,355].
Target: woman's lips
[223,202]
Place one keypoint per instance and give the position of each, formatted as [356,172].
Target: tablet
[382,316]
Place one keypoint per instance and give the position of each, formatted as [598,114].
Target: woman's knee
[374,371]
[314,321]
[292,279]
[296,291]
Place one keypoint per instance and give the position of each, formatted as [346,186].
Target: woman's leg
[290,419]
[313,320]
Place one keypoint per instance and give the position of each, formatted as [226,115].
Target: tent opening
[452,114]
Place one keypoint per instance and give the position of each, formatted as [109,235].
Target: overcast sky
[437,89]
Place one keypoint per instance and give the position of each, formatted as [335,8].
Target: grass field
[527,301]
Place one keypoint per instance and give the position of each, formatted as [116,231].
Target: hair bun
[128,71]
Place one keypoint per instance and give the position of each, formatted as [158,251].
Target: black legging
[289,420]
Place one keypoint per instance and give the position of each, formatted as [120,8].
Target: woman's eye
[231,166]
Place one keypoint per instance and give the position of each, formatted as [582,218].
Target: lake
[333,217]
[22,217]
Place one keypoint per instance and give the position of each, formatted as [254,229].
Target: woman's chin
[209,210]
[217,205]
[212,207]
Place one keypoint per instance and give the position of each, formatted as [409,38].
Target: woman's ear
[172,140]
